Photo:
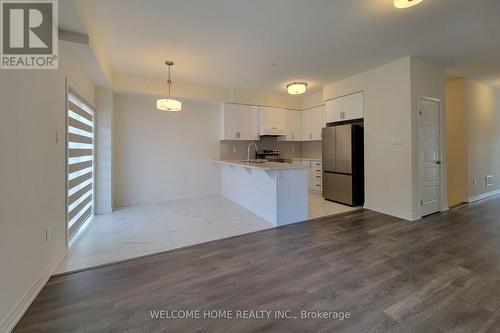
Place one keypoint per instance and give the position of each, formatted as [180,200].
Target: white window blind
[80,162]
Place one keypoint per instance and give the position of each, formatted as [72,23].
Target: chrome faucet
[248,150]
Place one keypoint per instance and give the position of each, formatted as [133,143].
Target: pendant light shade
[406,3]
[296,88]
[168,104]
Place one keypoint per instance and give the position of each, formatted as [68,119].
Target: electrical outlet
[234,149]
[489,180]
[397,141]
[48,233]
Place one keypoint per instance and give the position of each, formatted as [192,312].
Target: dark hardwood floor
[440,274]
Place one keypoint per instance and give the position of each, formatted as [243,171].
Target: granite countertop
[262,166]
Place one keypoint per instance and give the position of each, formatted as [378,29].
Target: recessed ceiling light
[406,3]
[296,88]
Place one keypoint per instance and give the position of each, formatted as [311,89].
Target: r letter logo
[29,34]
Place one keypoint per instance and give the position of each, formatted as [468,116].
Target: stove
[272,155]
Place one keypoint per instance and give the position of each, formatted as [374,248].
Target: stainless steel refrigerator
[343,163]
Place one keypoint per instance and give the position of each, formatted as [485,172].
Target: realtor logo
[29,34]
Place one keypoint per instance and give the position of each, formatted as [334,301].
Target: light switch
[397,141]
[48,233]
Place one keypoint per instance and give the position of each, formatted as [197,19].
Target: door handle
[438,162]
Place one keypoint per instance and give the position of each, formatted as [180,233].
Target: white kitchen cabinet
[347,107]
[239,122]
[312,123]
[334,109]
[293,125]
[229,122]
[273,120]
[316,176]
[254,122]
[353,106]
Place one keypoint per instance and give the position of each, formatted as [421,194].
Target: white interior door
[430,154]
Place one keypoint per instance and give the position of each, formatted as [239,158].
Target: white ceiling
[233,43]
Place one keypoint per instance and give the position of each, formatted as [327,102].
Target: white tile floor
[151,228]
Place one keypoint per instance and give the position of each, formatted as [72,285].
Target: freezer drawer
[337,187]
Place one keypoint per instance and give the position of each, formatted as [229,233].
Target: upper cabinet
[343,108]
[273,121]
[293,125]
[239,122]
[313,121]
[248,122]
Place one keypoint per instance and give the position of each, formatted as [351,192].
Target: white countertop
[306,159]
[262,166]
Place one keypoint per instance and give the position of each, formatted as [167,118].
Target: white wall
[475,109]
[104,153]
[134,84]
[164,155]
[457,144]
[387,114]
[311,100]
[32,177]
[483,120]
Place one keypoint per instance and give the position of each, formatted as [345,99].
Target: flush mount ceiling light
[406,3]
[168,104]
[296,88]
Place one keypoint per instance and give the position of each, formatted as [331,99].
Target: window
[80,162]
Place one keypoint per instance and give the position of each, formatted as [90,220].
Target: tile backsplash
[311,149]
[237,149]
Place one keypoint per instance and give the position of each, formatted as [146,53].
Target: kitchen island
[276,192]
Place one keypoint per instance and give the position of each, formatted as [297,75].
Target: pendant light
[296,88]
[169,104]
[406,3]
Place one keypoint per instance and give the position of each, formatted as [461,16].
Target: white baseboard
[387,211]
[483,195]
[8,323]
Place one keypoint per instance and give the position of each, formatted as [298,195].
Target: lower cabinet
[315,174]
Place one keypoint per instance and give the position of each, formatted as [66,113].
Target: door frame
[442,180]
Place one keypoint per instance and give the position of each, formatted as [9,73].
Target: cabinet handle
[318,176]
[318,185]
[310,136]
